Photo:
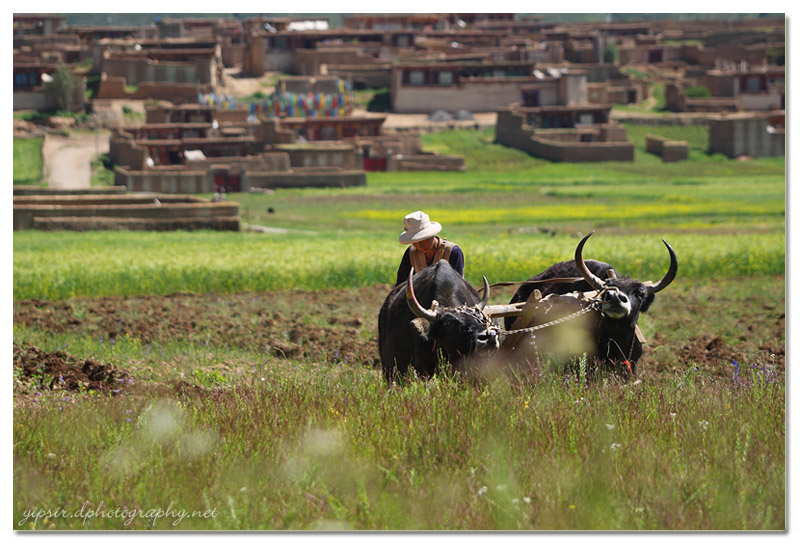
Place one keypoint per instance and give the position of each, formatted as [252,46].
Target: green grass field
[28,161]
[214,428]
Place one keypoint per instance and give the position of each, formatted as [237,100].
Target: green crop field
[237,385]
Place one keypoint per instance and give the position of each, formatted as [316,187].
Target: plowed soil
[340,326]
[60,371]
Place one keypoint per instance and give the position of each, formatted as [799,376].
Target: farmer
[426,248]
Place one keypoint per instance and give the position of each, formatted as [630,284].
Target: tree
[60,87]
[610,52]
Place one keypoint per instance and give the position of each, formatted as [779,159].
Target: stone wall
[30,190]
[426,163]
[38,99]
[562,145]
[483,96]
[581,152]
[345,157]
[137,211]
[196,181]
[294,179]
[122,152]
[177,93]
[668,150]
[744,134]
[231,116]
[233,55]
[138,70]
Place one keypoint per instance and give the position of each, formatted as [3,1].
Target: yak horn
[413,304]
[594,281]
[485,299]
[673,270]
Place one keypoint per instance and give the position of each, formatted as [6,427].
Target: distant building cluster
[552,86]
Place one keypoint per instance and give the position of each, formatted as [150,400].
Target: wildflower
[526,404]
[615,447]
[609,427]
[51,455]
[572,507]
[673,415]
[526,500]
[703,425]
[482,490]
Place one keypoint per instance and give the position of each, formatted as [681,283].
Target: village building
[555,121]
[29,86]
[424,87]
[175,70]
[752,89]
[747,134]
[276,50]
[41,24]
[564,133]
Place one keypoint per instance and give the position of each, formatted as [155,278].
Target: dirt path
[67,159]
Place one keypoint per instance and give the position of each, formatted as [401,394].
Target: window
[445,78]
[753,84]
[416,77]
[281,42]
[328,133]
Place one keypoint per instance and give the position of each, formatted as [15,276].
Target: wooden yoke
[523,319]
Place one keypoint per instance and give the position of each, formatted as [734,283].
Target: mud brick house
[352,64]
[578,133]
[176,69]
[315,129]
[398,21]
[748,134]
[755,89]
[280,47]
[29,92]
[423,87]
[555,87]
[40,24]
[191,148]
[227,32]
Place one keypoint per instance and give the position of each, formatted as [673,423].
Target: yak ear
[423,327]
[647,300]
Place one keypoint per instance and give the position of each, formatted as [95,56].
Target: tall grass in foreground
[335,448]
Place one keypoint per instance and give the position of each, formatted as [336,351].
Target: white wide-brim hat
[418,226]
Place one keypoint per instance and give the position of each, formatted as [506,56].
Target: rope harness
[595,302]
[593,306]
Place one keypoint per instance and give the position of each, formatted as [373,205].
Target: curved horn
[485,299]
[413,304]
[673,270]
[587,275]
